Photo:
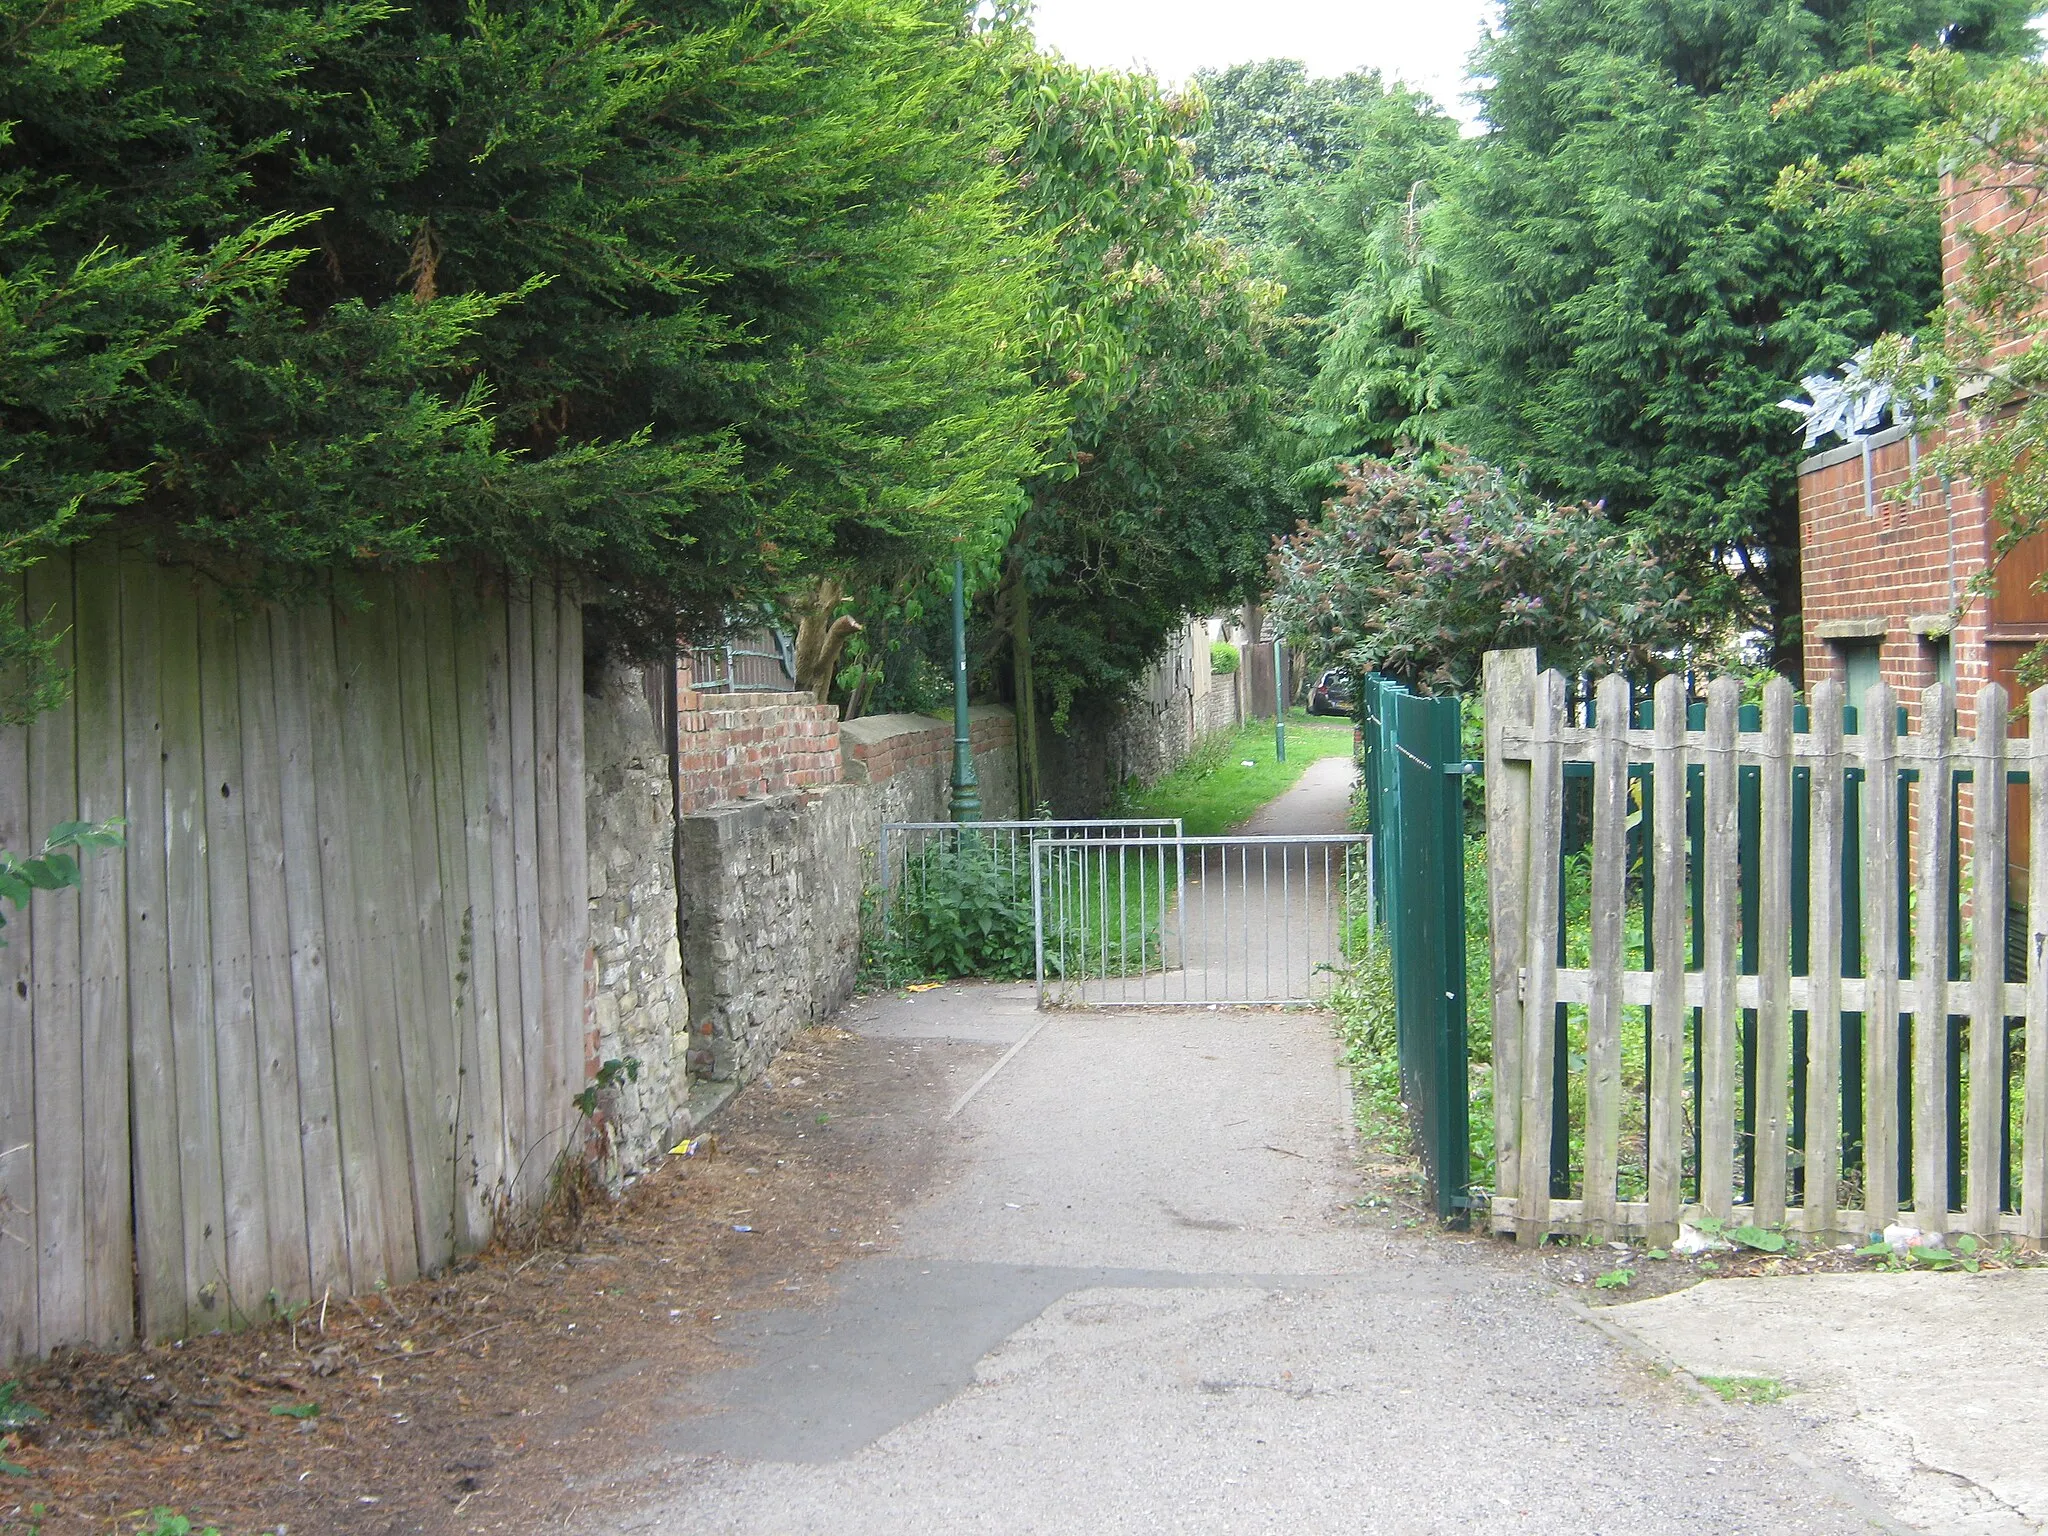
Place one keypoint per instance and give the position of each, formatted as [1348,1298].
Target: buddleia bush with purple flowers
[1421,566]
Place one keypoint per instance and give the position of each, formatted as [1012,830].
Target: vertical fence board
[370,748]
[552,1021]
[485,1141]
[431,1056]
[270,962]
[1667,1024]
[408,1042]
[54,937]
[238,1075]
[1824,965]
[152,1073]
[1774,964]
[1539,991]
[1610,899]
[505,890]
[1935,809]
[19,1331]
[2034,1123]
[1882,837]
[349,993]
[574,883]
[454,973]
[1721,875]
[103,977]
[301,665]
[536,1154]
[191,949]
[1510,696]
[1987,962]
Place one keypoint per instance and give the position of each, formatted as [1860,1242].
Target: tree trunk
[820,637]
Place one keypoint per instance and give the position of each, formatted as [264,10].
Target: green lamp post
[966,793]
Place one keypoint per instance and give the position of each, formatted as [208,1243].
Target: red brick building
[1882,576]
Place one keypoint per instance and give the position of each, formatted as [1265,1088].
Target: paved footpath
[1148,1302]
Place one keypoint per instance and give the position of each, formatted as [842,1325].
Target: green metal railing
[1413,773]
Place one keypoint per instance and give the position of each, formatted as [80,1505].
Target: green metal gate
[1414,788]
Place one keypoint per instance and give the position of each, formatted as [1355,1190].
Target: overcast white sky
[1423,42]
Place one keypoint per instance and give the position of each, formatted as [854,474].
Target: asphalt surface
[1148,1300]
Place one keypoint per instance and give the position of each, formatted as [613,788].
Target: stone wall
[772,885]
[638,1007]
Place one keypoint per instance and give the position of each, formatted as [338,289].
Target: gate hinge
[1470,767]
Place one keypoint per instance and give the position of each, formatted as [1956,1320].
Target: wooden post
[1510,692]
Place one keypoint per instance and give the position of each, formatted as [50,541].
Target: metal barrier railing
[1198,921]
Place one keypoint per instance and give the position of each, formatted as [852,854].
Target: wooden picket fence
[1791,998]
[322,1017]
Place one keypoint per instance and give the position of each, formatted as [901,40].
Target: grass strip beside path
[1214,791]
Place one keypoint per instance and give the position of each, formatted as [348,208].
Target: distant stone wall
[638,1007]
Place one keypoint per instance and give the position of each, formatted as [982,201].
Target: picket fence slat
[1718,1023]
[1510,689]
[1824,964]
[1935,808]
[1987,959]
[1667,1028]
[1799,919]
[2034,1114]
[1539,1034]
[1773,1085]
[1609,898]
[1883,851]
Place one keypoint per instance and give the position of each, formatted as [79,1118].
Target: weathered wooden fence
[324,1013]
[1774,983]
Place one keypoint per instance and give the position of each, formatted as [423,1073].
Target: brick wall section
[747,746]
[1891,571]
[881,748]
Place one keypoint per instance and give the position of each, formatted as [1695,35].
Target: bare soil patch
[479,1399]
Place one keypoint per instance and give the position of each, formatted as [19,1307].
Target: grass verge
[1214,790]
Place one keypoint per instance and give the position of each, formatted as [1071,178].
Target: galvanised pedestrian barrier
[1413,775]
[1216,922]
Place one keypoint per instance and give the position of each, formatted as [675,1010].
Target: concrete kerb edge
[1850,1493]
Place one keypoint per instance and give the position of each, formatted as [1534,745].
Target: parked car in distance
[1331,695]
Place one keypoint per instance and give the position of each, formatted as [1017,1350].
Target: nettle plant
[959,910]
[1422,566]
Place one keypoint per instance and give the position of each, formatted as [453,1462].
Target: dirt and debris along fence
[325,1011]
[1753,852]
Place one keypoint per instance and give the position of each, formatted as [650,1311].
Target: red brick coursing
[744,746]
[927,748]
[741,746]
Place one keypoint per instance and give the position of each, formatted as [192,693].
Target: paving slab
[1936,1385]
